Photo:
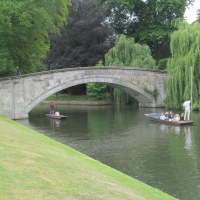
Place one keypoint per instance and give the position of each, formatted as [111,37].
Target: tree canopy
[128,53]
[185,49]
[148,21]
[85,40]
[24,30]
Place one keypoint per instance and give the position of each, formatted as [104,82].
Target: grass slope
[33,166]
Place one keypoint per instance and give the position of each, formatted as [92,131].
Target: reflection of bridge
[19,95]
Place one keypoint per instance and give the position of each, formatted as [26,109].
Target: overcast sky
[190,13]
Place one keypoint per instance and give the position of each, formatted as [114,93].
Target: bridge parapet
[18,95]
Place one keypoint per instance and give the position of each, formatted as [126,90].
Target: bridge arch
[133,90]
[29,90]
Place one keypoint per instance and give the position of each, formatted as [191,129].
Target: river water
[163,156]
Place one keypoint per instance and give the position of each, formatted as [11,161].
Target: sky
[190,13]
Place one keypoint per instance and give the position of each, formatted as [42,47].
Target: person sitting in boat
[167,116]
[163,117]
[182,117]
[176,118]
[171,115]
[57,113]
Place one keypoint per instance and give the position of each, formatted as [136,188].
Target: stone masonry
[18,95]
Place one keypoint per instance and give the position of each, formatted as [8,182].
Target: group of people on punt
[169,116]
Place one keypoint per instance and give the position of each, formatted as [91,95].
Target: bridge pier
[21,116]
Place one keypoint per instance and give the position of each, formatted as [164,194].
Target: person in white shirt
[57,113]
[186,106]
[162,116]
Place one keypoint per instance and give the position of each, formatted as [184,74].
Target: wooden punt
[55,116]
[156,117]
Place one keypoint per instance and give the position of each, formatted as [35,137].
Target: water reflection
[164,127]
[186,130]
[188,138]
[55,123]
[163,156]
[176,129]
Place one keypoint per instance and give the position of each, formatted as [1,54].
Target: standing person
[18,71]
[51,108]
[186,106]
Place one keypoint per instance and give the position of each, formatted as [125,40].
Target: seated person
[171,115]
[176,118]
[57,113]
[167,116]
[162,116]
[182,117]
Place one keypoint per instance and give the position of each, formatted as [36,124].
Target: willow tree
[127,53]
[184,65]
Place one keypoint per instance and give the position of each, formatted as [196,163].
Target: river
[163,156]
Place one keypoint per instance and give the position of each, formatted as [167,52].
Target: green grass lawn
[33,166]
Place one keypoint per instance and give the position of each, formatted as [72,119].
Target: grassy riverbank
[33,166]
[65,97]
[74,99]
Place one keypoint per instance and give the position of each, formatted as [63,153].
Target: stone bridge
[19,95]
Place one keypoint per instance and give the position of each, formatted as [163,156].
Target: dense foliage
[198,15]
[185,49]
[96,91]
[127,53]
[162,64]
[85,40]
[148,21]
[130,54]
[24,29]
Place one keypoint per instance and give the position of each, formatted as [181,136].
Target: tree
[24,30]
[85,40]
[185,49]
[148,21]
[96,91]
[198,15]
[127,53]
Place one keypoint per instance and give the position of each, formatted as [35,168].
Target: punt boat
[156,117]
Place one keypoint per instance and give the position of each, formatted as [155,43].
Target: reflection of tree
[99,119]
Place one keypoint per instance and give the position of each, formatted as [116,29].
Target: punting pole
[191,83]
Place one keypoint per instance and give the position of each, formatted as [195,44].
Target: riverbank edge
[67,173]
[90,103]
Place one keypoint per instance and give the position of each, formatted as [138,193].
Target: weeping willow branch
[154,92]
[185,49]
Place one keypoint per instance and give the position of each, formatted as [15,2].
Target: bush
[162,65]
[96,91]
